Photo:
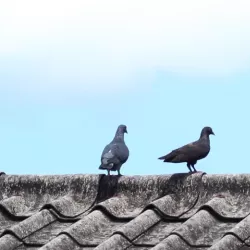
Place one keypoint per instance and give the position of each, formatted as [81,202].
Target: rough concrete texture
[74,212]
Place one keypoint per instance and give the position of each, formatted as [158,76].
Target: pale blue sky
[70,73]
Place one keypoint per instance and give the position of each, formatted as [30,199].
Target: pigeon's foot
[119,173]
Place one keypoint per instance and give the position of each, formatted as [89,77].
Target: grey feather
[116,153]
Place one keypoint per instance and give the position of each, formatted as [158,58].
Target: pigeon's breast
[124,153]
[203,152]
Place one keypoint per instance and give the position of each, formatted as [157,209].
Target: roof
[84,212]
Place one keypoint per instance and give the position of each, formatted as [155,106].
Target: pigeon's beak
[212,133]
[126,131]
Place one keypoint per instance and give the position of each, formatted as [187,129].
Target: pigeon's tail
[103,167]
[168,157]
[161,158]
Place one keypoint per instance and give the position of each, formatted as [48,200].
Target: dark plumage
[115,153]
[192,152]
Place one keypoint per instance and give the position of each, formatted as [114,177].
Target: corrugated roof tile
[228,242]
[202,229]
[115,242]
[62,242]
[83,212]
[173,242]
[30,225]
[157,233]
[46,233]
[139,225]
[93,229]
[9,242]
[242,229]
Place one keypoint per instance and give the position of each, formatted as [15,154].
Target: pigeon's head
[122,129]
[207,131]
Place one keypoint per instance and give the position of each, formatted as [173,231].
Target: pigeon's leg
[119,173]
[194,168]
[190,170]
[118,170]
[108,172]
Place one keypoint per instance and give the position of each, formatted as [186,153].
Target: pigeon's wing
[189,152]
[112,155]
[120,151]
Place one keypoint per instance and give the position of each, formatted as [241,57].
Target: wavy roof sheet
[86,212]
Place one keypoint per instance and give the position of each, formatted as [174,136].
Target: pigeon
[192,152]
[116,153]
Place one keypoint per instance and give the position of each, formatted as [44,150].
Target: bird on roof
[191,152]
[116,153]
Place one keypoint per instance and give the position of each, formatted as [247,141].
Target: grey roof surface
[86,212]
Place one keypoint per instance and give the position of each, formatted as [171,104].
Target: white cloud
[84,43]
